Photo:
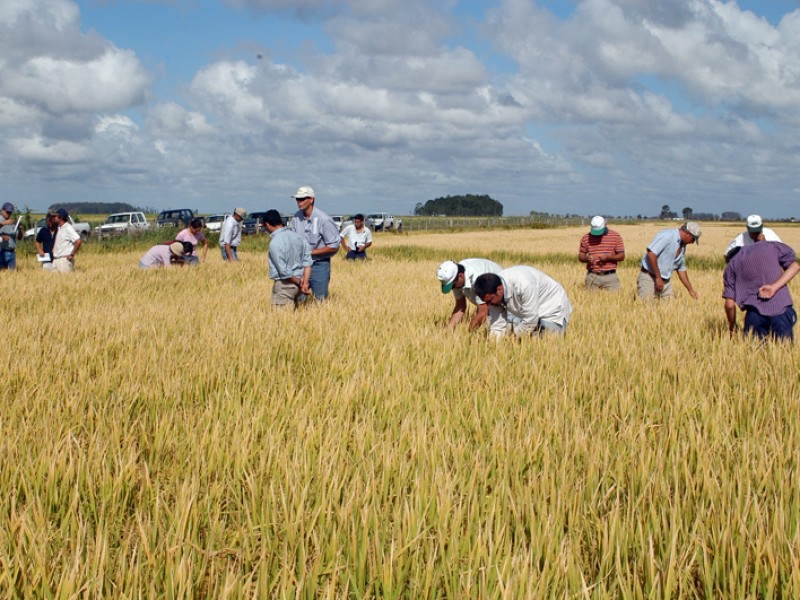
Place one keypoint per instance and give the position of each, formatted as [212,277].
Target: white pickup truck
[83,229]
[380,221]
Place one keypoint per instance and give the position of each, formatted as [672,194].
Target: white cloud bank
[624,106]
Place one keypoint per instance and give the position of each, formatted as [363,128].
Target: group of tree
[469,205]
[689,214]
[97,208]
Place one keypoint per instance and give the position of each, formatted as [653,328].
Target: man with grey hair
[667,254]
[756,232]
[322,235]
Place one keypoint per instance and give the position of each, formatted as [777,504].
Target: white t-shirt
[65,241]
[744,239]
[352,236]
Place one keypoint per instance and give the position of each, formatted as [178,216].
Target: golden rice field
[167,434]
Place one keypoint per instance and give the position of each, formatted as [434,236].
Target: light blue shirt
[288,254]
[666,245]
[319,230]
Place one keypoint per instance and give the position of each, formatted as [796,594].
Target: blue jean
[778,327]
[320,278]
[225,254]
[8,260]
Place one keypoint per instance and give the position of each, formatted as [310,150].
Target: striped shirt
[594,245]
[760,264]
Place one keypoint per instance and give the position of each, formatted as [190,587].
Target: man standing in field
[525,298]
[601,249]
[8,238]
[756,232]
[460,278]
[756,280]
[322,235]
[67,244]
[665,254]
[289,262]
[230,235]
[356,238]
[45,240]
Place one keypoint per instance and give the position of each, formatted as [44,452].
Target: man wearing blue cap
[8,241]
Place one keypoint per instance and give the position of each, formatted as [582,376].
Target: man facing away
[322,235]
[460,278]
[756,280]
[756,232]
[67,243]
[526,299]
[230,235]
[601,249]
[289,261]
[667,254]
[356,238]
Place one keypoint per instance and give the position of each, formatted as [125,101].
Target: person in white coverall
[526,299]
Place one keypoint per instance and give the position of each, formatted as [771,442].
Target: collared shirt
[608,243]
[65,241]
[157,256]
[288,254]
[47,239]
[231,232]
[744,239]
[186,235]
[354,236]
[669,250]
[530,296]
[319,230]
[756,265]
[474,268]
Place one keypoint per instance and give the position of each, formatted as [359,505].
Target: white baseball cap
[447,273]
[304,192]
[598,226]
[754,224]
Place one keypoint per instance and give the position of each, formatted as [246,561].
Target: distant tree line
[98,208]
[469,205]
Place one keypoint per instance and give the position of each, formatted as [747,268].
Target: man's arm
[75,248]
[730,313]
[344,244]
[480,317]
[684,277]
[766,292]
[458,313]
[652,260]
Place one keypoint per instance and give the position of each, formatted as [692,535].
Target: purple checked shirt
[754,266]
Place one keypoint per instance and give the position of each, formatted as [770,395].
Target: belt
[611,272]
[316,260]
[653,276]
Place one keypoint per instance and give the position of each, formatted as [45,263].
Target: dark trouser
[8,259]
[353,255]
[778,327]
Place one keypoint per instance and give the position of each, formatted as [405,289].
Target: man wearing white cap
[665,255]
[460,278]
[322,235]
[230,235]
[756,232]
[601,249]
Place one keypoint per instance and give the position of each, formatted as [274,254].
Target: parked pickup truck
[83,229]
[123,223]
[380,221]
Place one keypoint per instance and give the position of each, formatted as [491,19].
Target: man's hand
[659,284]
[694,294]
[765,292]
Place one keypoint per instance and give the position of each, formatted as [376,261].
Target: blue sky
[593,106]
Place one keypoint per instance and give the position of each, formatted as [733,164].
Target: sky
[611,107]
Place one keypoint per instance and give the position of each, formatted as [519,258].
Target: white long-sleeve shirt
[530,296]
[230,233]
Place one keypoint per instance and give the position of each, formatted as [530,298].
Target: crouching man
[526,299]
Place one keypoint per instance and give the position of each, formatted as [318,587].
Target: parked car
[338,220]
[83,229]
[380,221]
[258,218]
[249,226]
[175,217]
[123,223]
[213,223]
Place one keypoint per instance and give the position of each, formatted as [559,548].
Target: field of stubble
[169,434]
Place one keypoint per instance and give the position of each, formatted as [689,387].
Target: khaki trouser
[599,281]
[284,292]
[646,287]
[63,265]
